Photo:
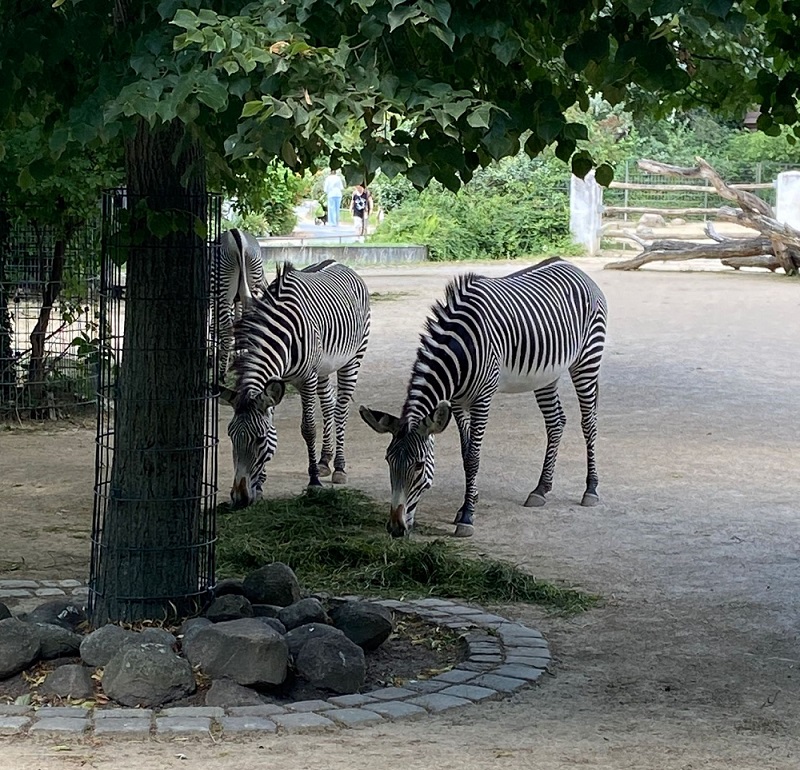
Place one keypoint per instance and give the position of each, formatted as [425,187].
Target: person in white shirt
[334,187]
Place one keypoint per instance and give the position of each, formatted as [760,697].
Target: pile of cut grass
[335,541]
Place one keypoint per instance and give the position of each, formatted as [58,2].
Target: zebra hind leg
[346,382]
[586,386]
[326,400]
[554,420]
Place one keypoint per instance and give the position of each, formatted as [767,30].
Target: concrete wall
[585,212]
[349,254]
[787,198]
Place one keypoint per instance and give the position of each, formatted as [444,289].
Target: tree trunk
[36,367]
[149,560]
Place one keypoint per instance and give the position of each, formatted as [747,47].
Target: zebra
[308,325]
[516,333]
[238,274]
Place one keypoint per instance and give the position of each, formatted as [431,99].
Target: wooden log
[686,187]
[768,261]
[677,251]
[654,210]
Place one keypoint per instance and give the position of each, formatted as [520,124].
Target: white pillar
[585,212]
[787,198]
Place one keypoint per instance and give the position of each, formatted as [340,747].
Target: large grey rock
[70,681]
[333,663]
[274,623]
[247,651]
[297,637]
[64,612]
[266,610]
[4,611]
[158,636]
[368,625]
[652,220]
[229,607]
[273,583]
[57,641]
[147,675]
[19,646]
[227,693]
[101,645]
[189,628]
[303,612]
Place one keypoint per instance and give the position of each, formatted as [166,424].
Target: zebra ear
[227,395]
[438,419]
[272,395]
[379,421]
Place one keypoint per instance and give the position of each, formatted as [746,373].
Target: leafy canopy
[440,88]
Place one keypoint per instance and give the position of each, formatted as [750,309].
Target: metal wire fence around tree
[154,531]
[48,319]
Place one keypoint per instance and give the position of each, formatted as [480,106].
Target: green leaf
[288,154]
[400,16]
[252,108]
[25,179]
[186,19]
[214,95]
[444,34]
[479,117]
[604,174]
[506,50]
[436,9]
[581,164]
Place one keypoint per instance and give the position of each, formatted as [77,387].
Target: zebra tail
[245,296]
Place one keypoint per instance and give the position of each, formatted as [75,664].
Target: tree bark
[676,250]
[149,558]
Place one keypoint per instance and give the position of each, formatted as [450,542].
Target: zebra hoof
[589,500]
[464,530]
[323,469]
[535,500]
[339,477]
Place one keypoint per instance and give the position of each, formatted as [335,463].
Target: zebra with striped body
[517,333]
[308,325]
[239,274]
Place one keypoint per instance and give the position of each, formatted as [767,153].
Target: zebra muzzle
[396,526]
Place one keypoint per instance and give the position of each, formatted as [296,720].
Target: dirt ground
[692,660]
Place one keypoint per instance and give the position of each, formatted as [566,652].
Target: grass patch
[335,541]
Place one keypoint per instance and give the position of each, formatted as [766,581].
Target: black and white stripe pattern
[517,333]
[309,325]
[239,274]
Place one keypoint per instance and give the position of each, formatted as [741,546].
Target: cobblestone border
[502,658]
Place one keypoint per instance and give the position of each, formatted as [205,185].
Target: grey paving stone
[303,722]
[479,668]
[48,583]
[429,685]
[122,726]
[391,693]
[504,684]
[80,591]
[100,714]
[458,609]
[355,717]
[11,710]
[49,592]
[11,725]
[193,711]
[526,643]
[266,710]
[391,603]
[396,709]
[518,671]
[351,700]
[456,676]
[14,593]
[486,648]
[431,602]
[458,625]
[471,692]
[518,630]
[488,619]
[498,658]
[477,637]
[537,661]
[18,584]
[70,583]
[310,705]
[247,725]
[185,725]
[60,725]
[69,712]
[436,702]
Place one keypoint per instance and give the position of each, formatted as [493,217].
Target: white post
[787,198]
[585,212]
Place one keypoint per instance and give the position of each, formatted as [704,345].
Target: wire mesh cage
[154,531]
[49,314]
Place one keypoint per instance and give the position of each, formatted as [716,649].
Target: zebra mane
[419,393]
[279,288]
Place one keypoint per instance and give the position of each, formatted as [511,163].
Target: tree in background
[191,89]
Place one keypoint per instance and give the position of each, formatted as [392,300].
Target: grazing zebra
[308,325]
[240,259]
[517,333]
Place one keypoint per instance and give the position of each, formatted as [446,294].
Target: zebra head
[410,459]
[253,438]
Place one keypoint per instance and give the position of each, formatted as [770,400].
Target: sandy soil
[691,662]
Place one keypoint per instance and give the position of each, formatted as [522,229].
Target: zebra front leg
[325,394]
[478,417]
[462,421]
[346,378]
[586,386]
[554,421]
[308,429]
